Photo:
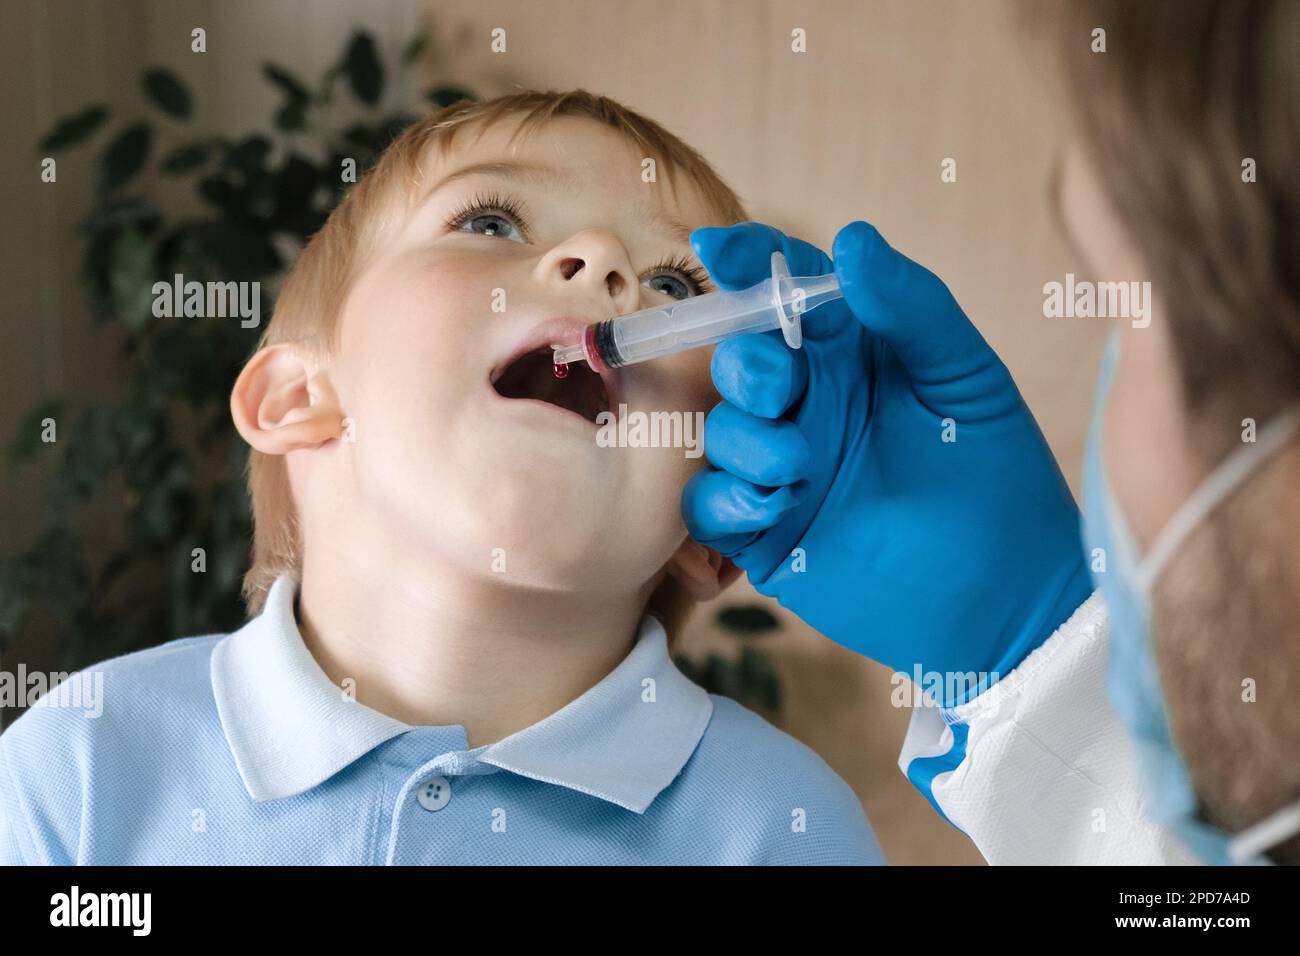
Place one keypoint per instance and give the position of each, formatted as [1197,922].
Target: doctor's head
[1184,174]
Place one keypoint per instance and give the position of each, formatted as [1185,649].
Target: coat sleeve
[1037,769]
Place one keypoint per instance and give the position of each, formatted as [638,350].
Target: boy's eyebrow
[552,176]
[546,175]
[658,219]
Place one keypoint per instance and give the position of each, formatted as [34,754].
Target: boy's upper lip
[559,331]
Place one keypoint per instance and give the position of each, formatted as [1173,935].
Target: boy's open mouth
[532,375]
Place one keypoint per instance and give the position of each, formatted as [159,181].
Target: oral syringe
[774,303]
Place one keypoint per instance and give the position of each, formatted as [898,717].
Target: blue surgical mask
[1132,678]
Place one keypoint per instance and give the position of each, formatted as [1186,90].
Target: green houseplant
[165,446]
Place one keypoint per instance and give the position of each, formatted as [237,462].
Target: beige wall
[854,128]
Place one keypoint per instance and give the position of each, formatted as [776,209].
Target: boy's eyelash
[512,208]
[698,277]
[480,204]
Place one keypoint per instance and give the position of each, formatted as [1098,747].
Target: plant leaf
[286,81]
[291,117]
[92,452]
[414,48]
[327,83]
[249,155]
[124,157]
[185,158]
[388,128]
[71,130]
[447,94]
[15,585]
[749,619]
[27,439]
[721,676]
[115,212]
[365,72]
[168,93]
[57,564]
[762,685]
[240,252]
[132,273]
[294,188]
[217,191]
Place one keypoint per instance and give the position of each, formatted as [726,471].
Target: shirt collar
[290,728]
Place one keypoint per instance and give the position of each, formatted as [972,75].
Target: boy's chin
[542,567]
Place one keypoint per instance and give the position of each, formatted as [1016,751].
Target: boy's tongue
[532,375]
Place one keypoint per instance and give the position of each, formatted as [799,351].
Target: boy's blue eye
[491,224]
[494,215]
[670,284]
[679,278]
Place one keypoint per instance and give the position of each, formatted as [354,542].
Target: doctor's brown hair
[1188,96]
[307,308]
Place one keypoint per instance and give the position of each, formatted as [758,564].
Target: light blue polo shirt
[238,749]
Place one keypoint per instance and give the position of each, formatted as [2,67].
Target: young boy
[463,600]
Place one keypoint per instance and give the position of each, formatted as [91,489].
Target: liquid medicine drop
[561,369]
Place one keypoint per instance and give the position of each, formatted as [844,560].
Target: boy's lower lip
[564,413]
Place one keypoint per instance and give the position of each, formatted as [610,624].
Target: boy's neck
[435,648]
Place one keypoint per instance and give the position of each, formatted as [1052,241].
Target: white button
[434,793]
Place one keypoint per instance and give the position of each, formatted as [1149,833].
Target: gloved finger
[759,373]
[738,256]
[762,451]
[911,309]
[717,505]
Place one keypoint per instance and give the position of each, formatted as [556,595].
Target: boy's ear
[279,406]
[703,572]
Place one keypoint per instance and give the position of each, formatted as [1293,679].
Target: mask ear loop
[1269,832]
[1230,473]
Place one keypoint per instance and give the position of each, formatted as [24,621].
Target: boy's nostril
[614,281]
[570,267]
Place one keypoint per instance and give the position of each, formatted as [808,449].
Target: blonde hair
[311,298]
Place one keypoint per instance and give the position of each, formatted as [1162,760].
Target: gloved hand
[885,482]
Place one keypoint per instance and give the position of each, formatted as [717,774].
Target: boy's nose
[595,261]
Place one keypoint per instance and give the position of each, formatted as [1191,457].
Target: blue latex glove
[832,485]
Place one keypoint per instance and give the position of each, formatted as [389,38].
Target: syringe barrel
[687,324]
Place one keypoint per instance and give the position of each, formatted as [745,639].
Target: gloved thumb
[907,306]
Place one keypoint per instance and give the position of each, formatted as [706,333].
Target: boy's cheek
[414,330]
[680,382]
[420,288]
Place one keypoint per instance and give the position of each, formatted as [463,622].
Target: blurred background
[220,163]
